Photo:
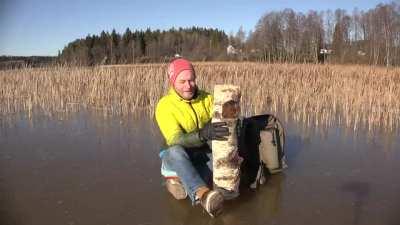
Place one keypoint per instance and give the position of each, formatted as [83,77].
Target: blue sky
[42,27]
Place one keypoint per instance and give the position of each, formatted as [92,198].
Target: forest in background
[361,37]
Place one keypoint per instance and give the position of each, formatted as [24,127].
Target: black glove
[214,131]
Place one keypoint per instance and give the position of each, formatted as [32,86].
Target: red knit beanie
[177,66]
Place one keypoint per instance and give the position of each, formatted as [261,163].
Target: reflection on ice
[91,169]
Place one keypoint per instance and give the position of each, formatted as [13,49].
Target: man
[184,118]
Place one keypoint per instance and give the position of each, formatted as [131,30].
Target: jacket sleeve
[172,131]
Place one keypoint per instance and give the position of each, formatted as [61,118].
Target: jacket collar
[176,96]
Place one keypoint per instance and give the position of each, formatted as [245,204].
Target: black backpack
[261,145]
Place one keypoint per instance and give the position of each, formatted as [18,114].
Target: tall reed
[317,95]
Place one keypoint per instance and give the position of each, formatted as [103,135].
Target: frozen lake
[86,169]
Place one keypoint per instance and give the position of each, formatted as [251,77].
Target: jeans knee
[175,153]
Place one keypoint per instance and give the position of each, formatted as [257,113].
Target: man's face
[185,84]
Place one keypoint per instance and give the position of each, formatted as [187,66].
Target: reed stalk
[317,95]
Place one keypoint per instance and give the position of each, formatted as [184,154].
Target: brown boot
[175,187]
[212,201]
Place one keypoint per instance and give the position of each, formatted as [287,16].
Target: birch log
[226,159]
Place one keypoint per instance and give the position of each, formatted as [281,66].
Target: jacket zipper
[195,115]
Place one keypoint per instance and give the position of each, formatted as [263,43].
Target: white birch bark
[226,159]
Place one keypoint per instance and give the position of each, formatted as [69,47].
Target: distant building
[361,53]
[323,54]
[230,50]
[325,51]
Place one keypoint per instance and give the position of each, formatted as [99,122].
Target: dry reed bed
[317,95]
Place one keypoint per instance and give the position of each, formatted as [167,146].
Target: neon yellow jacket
[179,120]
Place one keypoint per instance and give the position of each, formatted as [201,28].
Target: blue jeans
[192,165]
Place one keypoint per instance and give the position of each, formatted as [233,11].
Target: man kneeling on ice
[184,118]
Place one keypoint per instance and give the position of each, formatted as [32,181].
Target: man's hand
[214,131]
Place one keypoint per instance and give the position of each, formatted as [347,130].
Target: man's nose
[187,84]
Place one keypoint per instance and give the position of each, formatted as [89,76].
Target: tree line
[15,62]
[367,37]
[146,46]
